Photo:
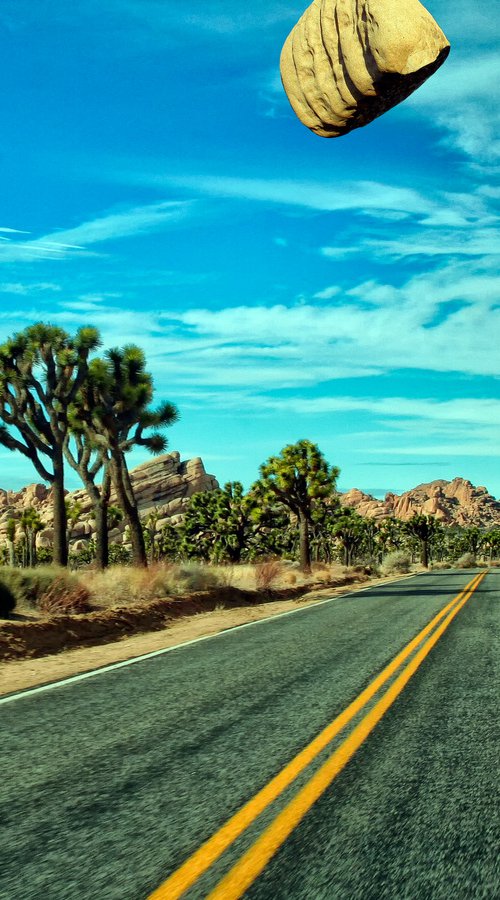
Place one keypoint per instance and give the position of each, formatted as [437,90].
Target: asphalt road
[107,785]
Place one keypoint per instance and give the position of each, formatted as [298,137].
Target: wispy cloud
[159,19]
[459,242]
[23,290]
[464,105]
[370,197]
[392,203]
[110,227]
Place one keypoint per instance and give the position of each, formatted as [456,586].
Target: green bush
[397,562]
[7,601]
[29,585]
[466,561]
[195,577]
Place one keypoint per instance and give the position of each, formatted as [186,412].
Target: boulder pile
[164,483]
[456,502]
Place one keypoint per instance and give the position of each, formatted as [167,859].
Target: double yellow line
[251,864]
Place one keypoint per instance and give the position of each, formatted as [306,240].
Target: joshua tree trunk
[101,504]
[124,491]
[101,534]
[424,553]
[304,545]
[60,517]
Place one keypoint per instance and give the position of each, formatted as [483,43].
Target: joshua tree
[220,524]
[11,538]
[150,526]
[41,371]
[73,513]
[112,412]
[350,530]
[30,524]
[491,542]
[298,477]
[423,528]
[89,462]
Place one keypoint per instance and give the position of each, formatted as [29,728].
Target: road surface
[111,783]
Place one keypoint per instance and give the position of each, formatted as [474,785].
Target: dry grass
[267,573]
[122,585]
[65,597]
[47,590]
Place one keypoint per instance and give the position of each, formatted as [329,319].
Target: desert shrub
[397,562]
[119,555]
[117,586]
[28,585]
[266,573]
[121,585]
[65,596]
[225,576]
[7,601]
[442,564]
[466,561]
[195,577]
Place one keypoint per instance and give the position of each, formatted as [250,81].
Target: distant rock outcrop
[164,483]
[455,502]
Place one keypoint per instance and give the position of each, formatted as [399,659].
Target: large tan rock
[455,502]
[348,61]
[164,483]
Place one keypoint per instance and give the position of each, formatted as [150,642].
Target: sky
[156,183]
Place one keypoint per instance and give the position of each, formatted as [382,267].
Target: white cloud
[328,292]
[112,226]
[464,104]
[466,242]
[368,197]
[24,290]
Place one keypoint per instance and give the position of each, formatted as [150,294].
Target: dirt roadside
[20,674]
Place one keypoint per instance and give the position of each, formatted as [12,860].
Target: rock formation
[455,502]
[348,61]
[164,483]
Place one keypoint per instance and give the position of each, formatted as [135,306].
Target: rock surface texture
[348,61]
[164,484]
[455,502]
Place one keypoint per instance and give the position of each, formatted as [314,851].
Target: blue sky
[156,183]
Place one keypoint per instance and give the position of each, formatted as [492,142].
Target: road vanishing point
[347,750]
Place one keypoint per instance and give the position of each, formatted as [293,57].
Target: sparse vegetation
[65,597]
[466,561]
[266,573]
[397,562]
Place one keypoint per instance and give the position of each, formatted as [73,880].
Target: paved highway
[111,784]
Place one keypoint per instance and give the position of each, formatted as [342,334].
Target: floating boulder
[348,61]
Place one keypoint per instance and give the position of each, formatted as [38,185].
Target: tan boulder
[348,61]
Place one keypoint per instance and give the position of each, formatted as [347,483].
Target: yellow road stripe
[201,860]
[251,864]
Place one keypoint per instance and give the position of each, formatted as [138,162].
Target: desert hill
[456,502]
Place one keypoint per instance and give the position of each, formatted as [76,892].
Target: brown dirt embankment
[28,640]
